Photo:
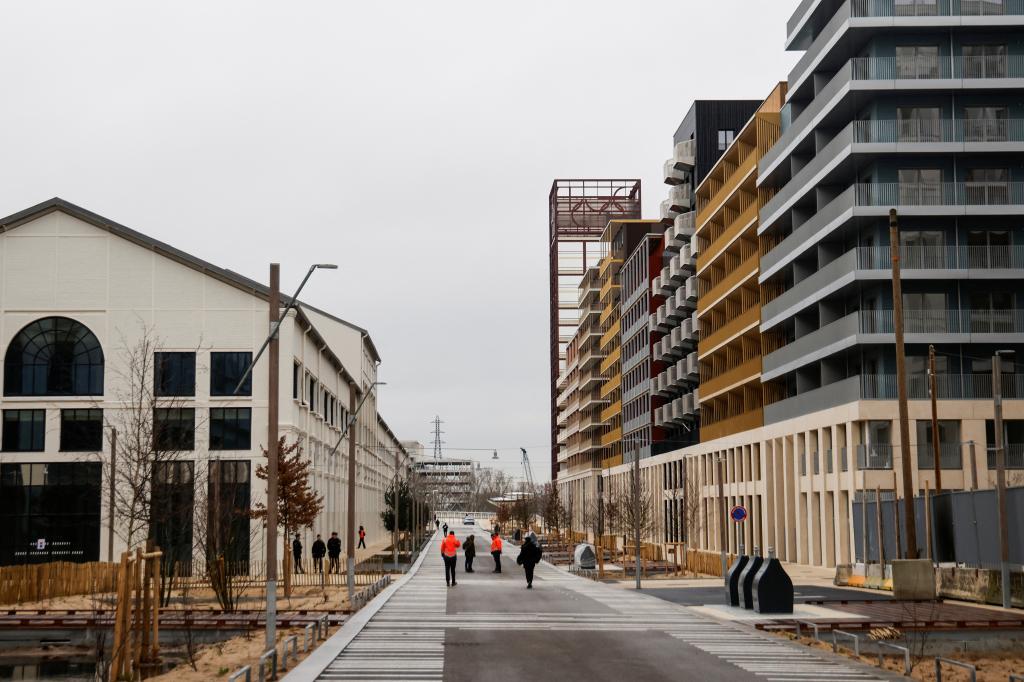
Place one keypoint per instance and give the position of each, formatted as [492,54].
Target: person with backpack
[529,556]
[318,549]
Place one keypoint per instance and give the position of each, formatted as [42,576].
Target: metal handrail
[904,650]
[294,641]
[814,626]
[958,664]
[855,638]
[244,670]
[272,655]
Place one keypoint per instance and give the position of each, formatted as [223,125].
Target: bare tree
[639,515]
[692,522]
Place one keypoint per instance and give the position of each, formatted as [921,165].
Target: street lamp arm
[292,303]
[352,417]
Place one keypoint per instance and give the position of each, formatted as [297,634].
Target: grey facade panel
[832,395]
[702,123]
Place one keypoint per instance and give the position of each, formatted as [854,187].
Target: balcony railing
[937,67]
[874,456]
[1014,456]
[948,386]
[942,257]
[890,194]
[935,8]
[890,131]
[939,321]
[949,456]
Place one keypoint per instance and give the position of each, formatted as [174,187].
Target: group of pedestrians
[331,549]
[529,554]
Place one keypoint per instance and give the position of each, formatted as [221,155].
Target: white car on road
[469,521]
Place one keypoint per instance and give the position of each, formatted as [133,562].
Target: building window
[225,372]
[919,124]
[24,430]
[949,444]
[725,138]
[230,428]
[54,356]
[920,186]
[312,393]
[174,374]
[917,61]
[986,124]
[171,511]
[81,430]
[296,386]
[987,186]
[1013,442]
[174,429]
[984,61]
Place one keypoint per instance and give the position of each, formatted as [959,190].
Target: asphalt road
[490,627]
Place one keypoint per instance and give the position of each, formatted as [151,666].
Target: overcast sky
[412,143]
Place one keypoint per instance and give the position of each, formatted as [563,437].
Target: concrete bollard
[732,579]
[746,582]
[772,587]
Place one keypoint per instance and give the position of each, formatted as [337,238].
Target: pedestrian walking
[362,538]
[318,549]
[496,551]
[444,530]
[297,554]
[529,556]
[334,554]
[448,551]
[437,524]
[469,549]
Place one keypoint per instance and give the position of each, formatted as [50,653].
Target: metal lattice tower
[437,437]
[527,469]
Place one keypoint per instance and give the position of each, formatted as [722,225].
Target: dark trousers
[318,564]
[362,543]
[298,563]
[333,565]
[497,561]
[449,569]
[469,563]
[529,573]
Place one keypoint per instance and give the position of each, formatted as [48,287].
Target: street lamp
[350,559]
[271,342]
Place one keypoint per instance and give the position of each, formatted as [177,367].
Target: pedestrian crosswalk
[405,640]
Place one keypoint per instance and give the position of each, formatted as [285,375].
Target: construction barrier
[38,582]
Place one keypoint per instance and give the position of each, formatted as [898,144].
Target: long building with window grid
[911,105]
[94,317]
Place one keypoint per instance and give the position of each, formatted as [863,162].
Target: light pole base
[350,564]
[271,614]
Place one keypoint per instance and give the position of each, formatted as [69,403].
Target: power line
[437,437]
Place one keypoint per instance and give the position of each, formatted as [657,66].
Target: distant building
[446,482]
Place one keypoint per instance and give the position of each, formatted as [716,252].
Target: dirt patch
[214,661]
[992,666]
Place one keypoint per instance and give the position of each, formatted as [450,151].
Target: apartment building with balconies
[729,296]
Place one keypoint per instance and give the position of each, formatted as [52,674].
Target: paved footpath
[566,628]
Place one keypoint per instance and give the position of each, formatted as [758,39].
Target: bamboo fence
[38,582]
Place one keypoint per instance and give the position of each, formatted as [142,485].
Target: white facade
[60,261]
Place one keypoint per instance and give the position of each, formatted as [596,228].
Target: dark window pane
[54,356]
[174,374]
[174,429]
[230,428]
[225,371]
[24,430]
[81,430]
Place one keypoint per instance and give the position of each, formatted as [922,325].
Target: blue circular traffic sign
[738,513]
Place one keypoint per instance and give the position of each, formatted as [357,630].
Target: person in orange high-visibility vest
[496,551]
[448,547]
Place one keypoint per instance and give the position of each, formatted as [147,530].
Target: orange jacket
[496,544]
[449,545]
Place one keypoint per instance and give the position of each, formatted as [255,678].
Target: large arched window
[54,356]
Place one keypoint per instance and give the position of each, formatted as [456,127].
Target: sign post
[738,514]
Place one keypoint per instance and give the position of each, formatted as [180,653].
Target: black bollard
[732,579]
[773,588]
[747,578]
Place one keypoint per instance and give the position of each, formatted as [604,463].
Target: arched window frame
[54,356]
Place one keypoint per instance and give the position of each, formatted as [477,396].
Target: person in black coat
[333,554]
[297,554]
[529,555]
[318,549]
[469,549]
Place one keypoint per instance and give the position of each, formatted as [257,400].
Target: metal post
[974,466]
[719,459]
[1004,531]
[350,558]
[113,483]
[637,514]
[901,384]
[932,383]
[879,528]
[928,522]
[273,359]
[398,511]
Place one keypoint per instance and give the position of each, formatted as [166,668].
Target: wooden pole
[1004,529]
[974,466]
[896,517]
[147,605]
[110,503]
[273,361]
[879,527]
[901,383]
[137,619]
[928,522]
[932,380]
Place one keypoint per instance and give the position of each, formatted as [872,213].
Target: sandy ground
[992,666]
[215,661]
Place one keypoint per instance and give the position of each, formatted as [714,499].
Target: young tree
[298,505]
[406,508]
[692,513]
[551,507]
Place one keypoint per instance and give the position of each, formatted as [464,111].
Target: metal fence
[964,527]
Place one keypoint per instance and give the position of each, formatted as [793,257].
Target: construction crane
[527,471]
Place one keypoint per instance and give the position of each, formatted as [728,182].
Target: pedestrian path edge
[321,657]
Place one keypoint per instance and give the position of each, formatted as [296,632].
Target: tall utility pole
[901,387]
[437,437]
[272,438]
[637,513]
[932,383]
[397,529]
[1004,528]
[350,522]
